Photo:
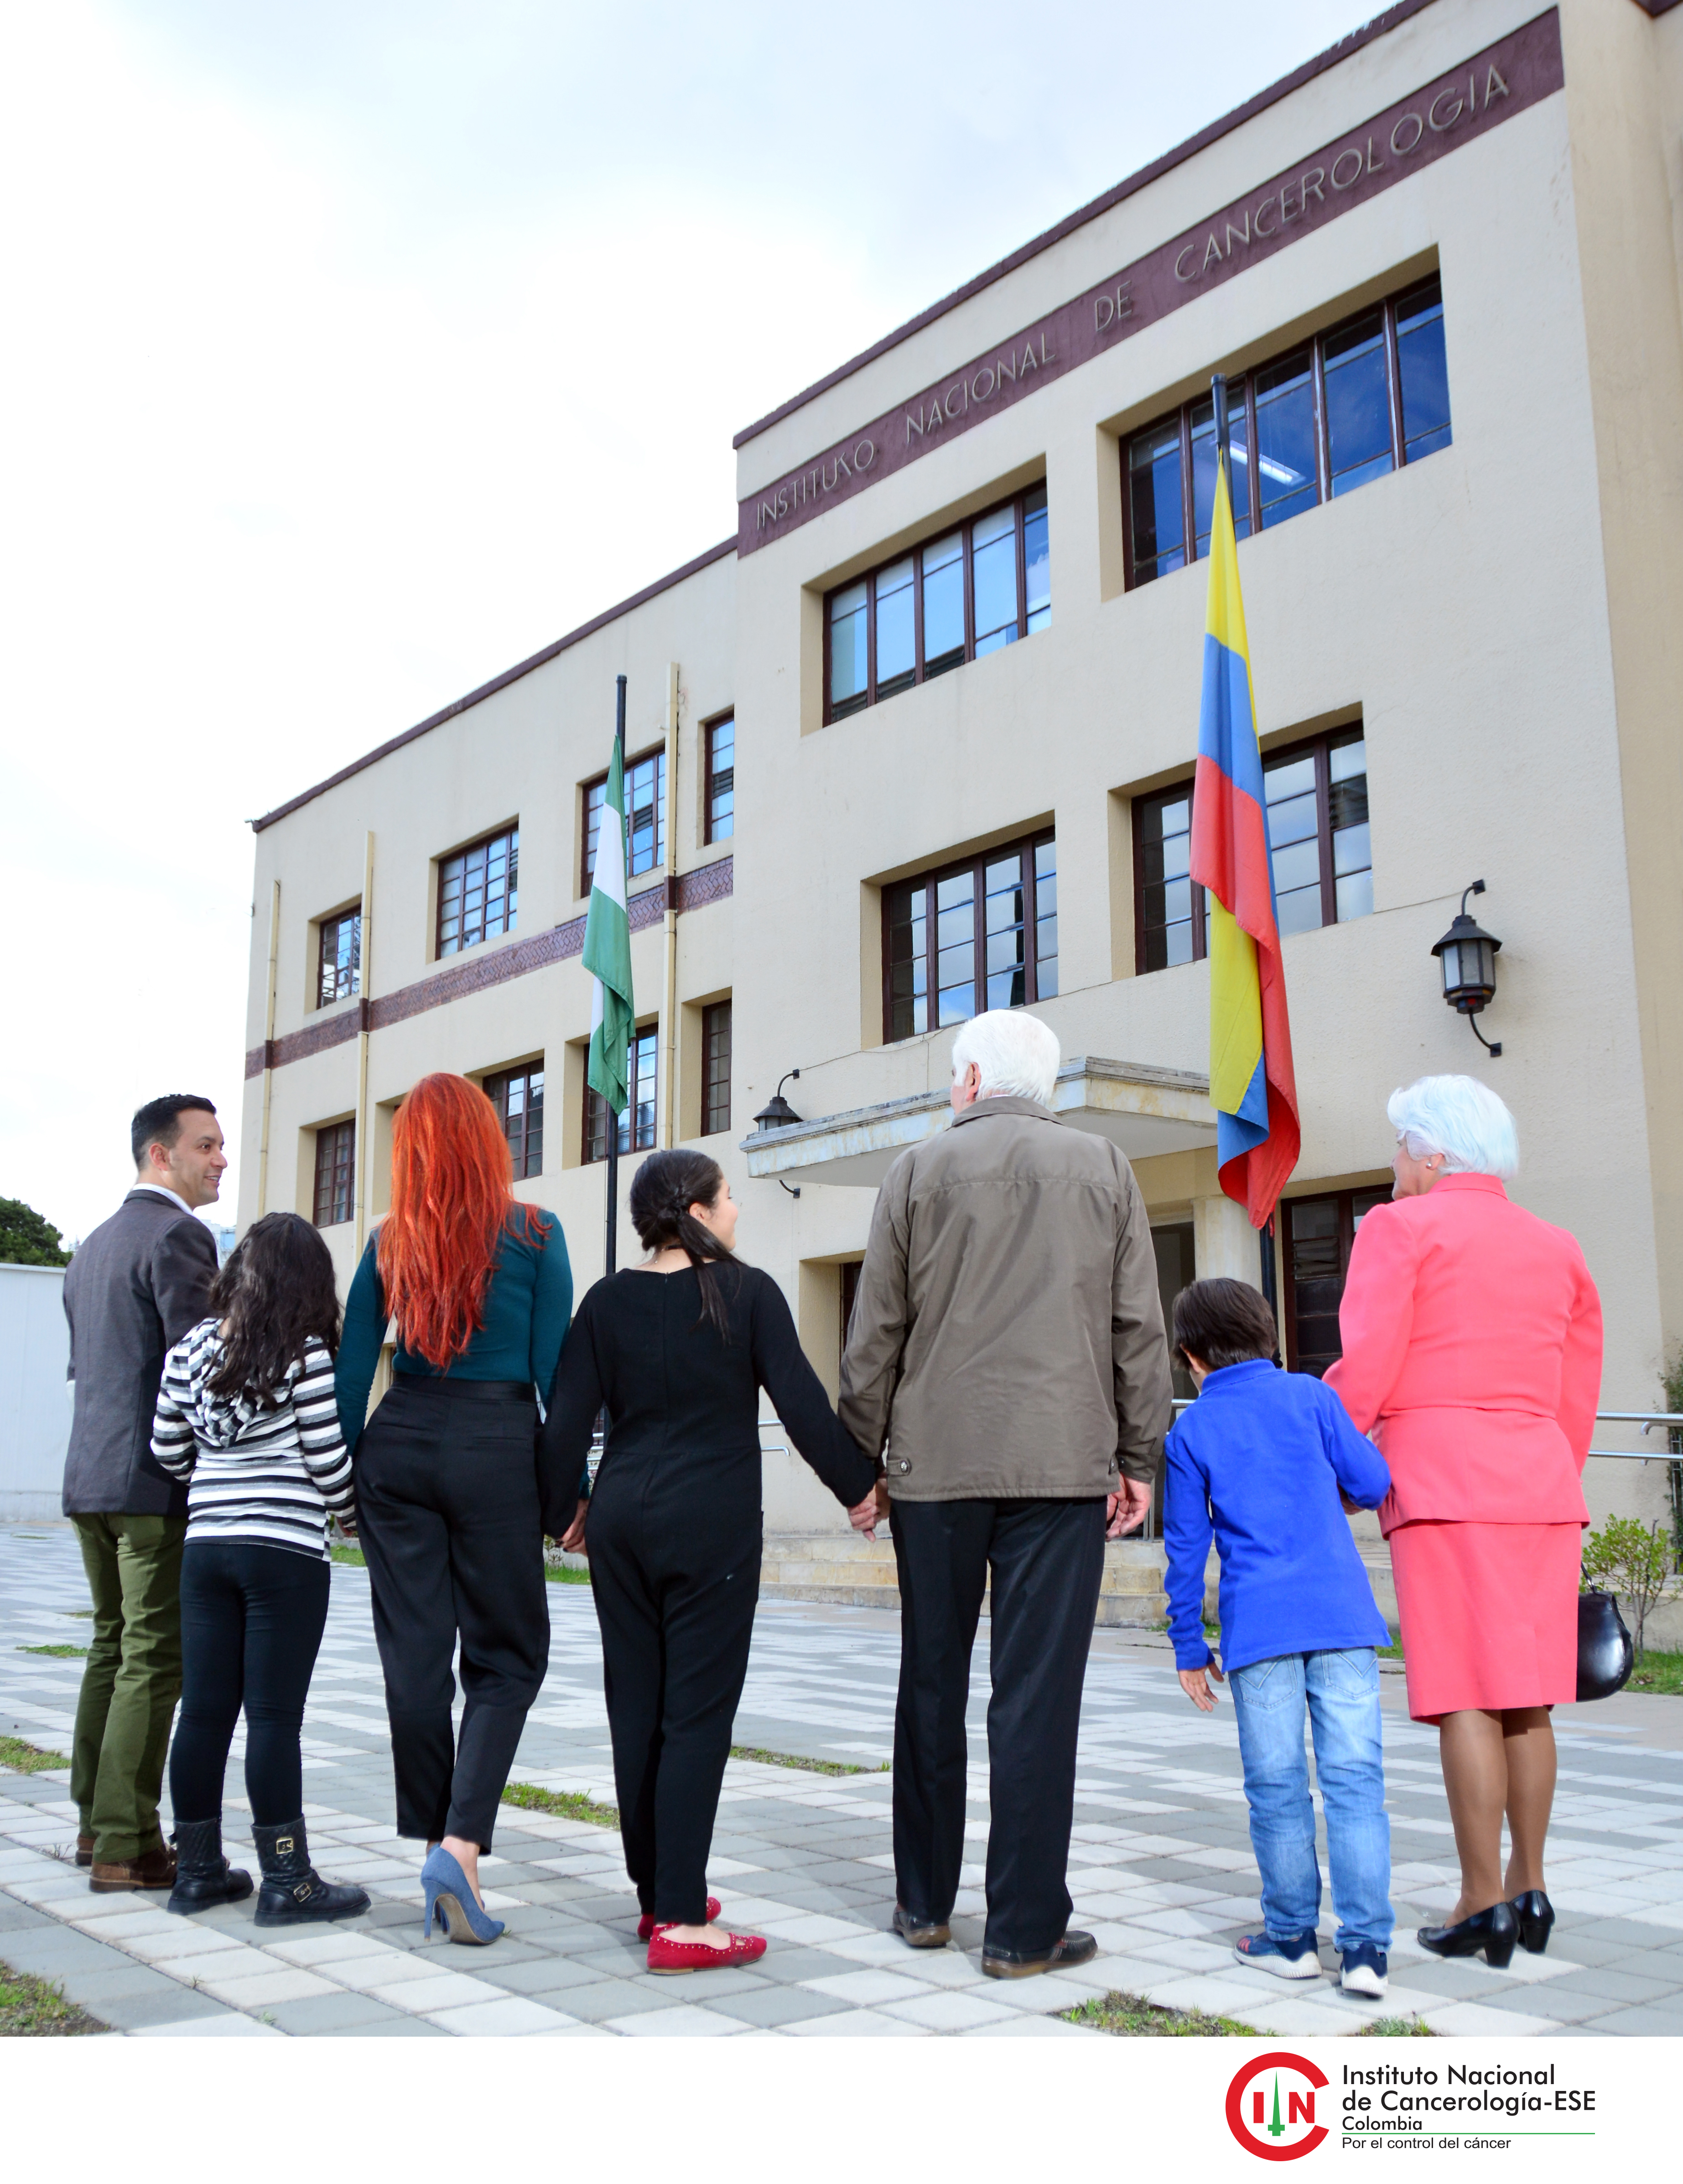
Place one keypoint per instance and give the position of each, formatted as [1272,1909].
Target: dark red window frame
[524,1127]
[335,1196]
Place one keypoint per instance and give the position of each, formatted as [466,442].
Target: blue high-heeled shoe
[451,1900]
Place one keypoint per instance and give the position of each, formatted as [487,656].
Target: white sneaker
[1284,1959]
[1364,1972]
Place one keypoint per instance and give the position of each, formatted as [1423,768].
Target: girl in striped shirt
[245,1413]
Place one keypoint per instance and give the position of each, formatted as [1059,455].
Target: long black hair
[276,1290]
[662,1191]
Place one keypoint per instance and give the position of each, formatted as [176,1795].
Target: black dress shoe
[921,1933]
[1495,1932]
[1535,1915]
[1075,1948]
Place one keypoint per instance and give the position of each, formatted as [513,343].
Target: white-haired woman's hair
[1017,1054]
[1460,1118]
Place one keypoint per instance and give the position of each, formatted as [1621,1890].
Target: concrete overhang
[1143,1108]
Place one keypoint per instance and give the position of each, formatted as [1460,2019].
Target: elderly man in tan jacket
[1005,1362]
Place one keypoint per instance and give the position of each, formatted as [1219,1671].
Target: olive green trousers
[133,1680]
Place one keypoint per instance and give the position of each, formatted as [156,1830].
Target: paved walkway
[1162,1867]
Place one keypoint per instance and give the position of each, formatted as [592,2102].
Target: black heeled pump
[1535,1915]
[1495,1932]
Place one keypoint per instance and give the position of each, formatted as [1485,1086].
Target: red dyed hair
[452,1201]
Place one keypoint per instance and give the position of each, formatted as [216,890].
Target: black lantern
[1467,957]
[776,1114]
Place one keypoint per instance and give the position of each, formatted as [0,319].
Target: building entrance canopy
[1143,1108]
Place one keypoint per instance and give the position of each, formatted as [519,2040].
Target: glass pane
[993,563]
[1037,559]
[1354,894]
[957,1003]
[1161,818]
[1425,374]
[1286,438]
[847,647]
[1154,506]
[1165,891]
[1298,865]
[896,631]
[1299,911]
[1358,403]
[1291,819]
[944,604]
[1351,850]
[961,887]
[722,780]
[1204,466]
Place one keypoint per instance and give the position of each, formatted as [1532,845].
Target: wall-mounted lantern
[1467,957]
[776,1114]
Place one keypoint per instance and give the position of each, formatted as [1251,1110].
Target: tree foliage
[1626,1558]
[28,1238]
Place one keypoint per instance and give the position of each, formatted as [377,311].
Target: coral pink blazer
[1472,1343]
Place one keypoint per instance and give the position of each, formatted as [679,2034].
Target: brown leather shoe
[920,1934]
[153,1868]
[84,1850]
[1075,1948]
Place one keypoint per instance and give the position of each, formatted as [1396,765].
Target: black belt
[472,1391]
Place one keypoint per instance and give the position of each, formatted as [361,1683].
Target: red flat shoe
[645,1924]
[665,1956]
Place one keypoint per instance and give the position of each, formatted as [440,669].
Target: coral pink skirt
[1490,1614]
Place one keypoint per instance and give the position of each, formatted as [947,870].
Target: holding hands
[870,1512]
[1195,1682]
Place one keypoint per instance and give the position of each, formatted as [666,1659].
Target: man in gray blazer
[134,1287]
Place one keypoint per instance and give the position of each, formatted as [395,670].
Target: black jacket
[133,1290]
[676,1390]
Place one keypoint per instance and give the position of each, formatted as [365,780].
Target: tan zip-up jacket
[1007,1337]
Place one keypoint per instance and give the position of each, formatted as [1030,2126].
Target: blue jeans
[1341,1691]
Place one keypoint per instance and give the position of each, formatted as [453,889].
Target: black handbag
[1605,1656]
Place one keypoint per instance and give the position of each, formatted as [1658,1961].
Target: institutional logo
[1271,2106]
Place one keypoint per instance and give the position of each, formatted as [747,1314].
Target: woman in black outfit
[677,1351]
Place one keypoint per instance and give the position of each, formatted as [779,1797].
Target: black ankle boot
[203,1876]
[1535,1915]
[1495,1932]
[293,1892]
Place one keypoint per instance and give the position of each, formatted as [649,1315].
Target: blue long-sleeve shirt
[1258,1460]
[528,1303]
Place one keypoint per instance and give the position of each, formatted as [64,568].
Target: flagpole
[611,1253]
[1265,1235]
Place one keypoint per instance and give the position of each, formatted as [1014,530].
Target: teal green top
[528,1303]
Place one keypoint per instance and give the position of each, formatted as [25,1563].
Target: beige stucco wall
[1495,615]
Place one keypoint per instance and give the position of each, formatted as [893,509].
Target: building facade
[919,738]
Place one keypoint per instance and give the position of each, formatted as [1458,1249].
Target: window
[645,799]
[338,961]
[967,593]
[335,1174]
[1318,1233]
[1317,795]
[518,1098]
[721,779]
[637,1124]
[716,1084]
[1345,409]
[478,889]
[982,934]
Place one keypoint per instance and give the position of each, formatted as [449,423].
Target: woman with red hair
[447,1489]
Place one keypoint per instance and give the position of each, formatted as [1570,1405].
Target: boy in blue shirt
[1268,1461]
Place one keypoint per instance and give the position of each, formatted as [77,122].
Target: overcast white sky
[355,348]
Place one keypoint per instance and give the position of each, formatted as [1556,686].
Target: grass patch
[1396,2028]
[1131,2017]
[811,1766]
[559,1573]
[565,1804]
[28,1758]
[58,1652]
[348,1558]
[30,2006]
[1661,1673]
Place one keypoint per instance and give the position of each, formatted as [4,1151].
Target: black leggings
[252,1619]
[675,1547]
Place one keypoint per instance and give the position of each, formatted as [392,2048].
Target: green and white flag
[607,950]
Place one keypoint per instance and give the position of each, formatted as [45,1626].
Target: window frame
[589,1157]
[1344,1202]
[495,1087]
[331,924]
[860,702]
[977,863]
[460,946]
[587,862]
[710,830]
[711,1016]
[1241,390]
[330,1169]
[1321,748]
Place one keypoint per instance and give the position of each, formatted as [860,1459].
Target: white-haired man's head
[1005,1053]
[1457,1121]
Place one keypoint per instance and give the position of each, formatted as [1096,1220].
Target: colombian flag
[1251,1080]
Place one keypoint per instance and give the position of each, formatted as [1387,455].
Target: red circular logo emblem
[1271,2106]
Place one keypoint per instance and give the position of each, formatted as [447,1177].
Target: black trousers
[252,1619]
[1047,1559]
[675,1574]
[447,1513]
